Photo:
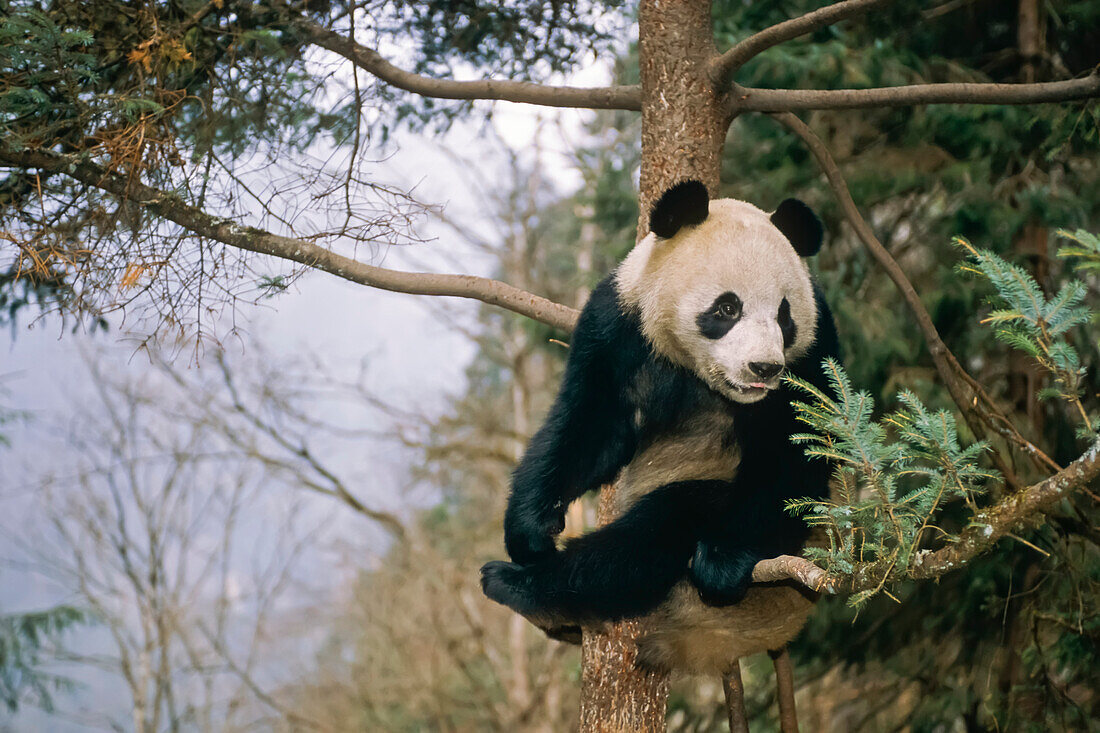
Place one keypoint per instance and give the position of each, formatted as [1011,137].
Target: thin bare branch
[171,207]
[615,97]
[724,67]
[968,394]
[948,7]
[794,100]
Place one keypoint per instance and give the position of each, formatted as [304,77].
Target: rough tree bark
[684,124]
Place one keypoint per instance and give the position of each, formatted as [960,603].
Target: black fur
[588,434]
[616,397]
[787,326]
[800,225]
[723,314]
[685,204]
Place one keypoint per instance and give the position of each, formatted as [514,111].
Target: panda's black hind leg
[517,587]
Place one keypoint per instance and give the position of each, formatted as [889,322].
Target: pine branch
[971,398]
[986,529]
[1035,324]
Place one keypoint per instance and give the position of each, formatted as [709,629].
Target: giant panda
[673,385]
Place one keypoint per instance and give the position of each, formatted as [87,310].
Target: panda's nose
[765,369]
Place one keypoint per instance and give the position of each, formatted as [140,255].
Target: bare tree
[177,548]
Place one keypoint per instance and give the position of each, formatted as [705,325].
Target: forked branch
[171,207]
[986,529]
[724,68]
[615,97]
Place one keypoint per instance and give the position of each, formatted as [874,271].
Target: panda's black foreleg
[756,525]
[722,571]
[622,570]
[730,546]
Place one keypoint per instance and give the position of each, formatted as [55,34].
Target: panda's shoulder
[608,326]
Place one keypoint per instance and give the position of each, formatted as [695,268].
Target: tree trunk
[684,123]
[684,120]
[617,697]
[1029,39]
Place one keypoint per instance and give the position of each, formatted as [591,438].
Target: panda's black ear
[685,204]
[799,224]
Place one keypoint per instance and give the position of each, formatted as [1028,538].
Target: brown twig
[734,689]
[615,97]
[794,100]
[784,685]
[171,207]
[968,394]
[724,67]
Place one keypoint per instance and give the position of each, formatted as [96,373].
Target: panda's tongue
[758,385]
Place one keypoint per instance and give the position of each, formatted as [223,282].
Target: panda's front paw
[722,575]
[529,535]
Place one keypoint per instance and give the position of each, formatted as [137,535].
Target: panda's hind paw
[509,584]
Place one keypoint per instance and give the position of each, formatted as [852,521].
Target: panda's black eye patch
[786,324]
[716,321]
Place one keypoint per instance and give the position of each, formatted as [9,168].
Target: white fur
[686,635]
[736,249]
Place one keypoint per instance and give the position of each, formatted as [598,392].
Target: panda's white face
[729,299]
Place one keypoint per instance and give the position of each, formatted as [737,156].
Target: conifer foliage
[23,639]
[895,475]
[1027,320]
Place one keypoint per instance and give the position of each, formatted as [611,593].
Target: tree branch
[724,67]
[786,567]
[970,397]
[989,526]
[986,529]
[171,207]
[616,97]
[793,100]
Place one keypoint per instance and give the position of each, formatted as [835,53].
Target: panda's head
[722,287]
